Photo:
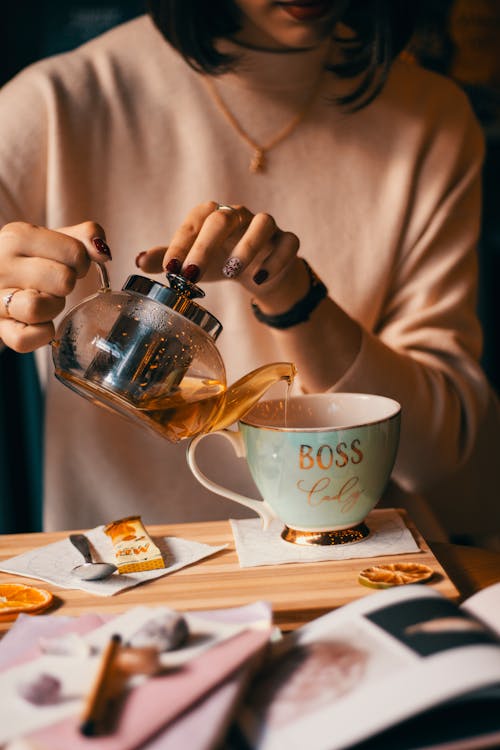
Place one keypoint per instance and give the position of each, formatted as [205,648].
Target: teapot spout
[242,395]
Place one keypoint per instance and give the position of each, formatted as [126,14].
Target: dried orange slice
[17,597]
[394,574]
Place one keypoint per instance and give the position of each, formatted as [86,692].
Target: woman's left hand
[216,242]
[219,241]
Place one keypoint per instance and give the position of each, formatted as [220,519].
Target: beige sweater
[385,202]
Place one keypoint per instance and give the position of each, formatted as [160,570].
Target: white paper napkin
[53,562]
[389,535]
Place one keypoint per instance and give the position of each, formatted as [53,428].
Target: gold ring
[231,209]
[7,299]
[225,207]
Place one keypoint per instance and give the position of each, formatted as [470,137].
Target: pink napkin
[28,629]
[212,680]
[159,700]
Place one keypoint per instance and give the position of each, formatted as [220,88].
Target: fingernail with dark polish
[261,276]
[138,258]
[232,267]
[101,247]
[191,273]
[174,266]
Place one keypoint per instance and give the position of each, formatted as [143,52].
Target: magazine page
[485,605]
[365,667]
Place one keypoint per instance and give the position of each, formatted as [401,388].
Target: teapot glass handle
[103,277]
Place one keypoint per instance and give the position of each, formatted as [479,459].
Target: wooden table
[298,592]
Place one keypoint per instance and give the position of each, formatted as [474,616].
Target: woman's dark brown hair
[381,29]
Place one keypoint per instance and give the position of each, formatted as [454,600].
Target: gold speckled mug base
[324,538]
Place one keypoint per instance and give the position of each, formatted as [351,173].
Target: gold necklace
[258,162]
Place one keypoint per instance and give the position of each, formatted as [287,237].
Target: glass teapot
[148,352]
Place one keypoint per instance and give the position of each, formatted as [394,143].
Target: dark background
[457,45]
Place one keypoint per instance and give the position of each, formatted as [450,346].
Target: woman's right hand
[39,267]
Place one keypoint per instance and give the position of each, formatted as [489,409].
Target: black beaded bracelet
[301,311]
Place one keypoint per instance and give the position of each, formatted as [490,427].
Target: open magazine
[403,668]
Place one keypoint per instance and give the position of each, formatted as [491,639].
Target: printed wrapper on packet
[133,547]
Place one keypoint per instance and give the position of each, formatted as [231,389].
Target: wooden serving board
[298,592]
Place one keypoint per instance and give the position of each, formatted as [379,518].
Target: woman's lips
[304,11]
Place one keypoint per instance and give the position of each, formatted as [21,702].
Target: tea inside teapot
[148,352]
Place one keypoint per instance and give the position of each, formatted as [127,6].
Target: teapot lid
[179,297]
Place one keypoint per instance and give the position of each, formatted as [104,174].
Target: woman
[295,134]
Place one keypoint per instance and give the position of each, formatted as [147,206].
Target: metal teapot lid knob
[179,297]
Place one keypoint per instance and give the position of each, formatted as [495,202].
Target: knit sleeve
[425,349]
[23,148]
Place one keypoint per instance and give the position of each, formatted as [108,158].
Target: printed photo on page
[359,671]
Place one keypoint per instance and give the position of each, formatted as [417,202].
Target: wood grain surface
[298,592]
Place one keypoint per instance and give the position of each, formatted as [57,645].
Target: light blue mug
[321,462]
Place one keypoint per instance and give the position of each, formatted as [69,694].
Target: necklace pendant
[258,163]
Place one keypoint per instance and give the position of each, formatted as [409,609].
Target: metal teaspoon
[89,570]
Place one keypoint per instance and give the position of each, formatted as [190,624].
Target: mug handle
[260,507]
